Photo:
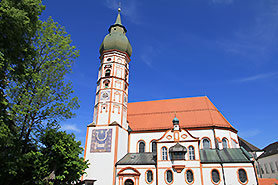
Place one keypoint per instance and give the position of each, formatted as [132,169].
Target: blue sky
[224,49]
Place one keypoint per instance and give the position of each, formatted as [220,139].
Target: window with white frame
[206,143]
[141,147]
[189,176]
[164,153]
[191,153]
[154,147]
[225,143]
[149,176]
[215,176]
[169,176]
[242,175]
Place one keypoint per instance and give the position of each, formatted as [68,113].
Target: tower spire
[118,20]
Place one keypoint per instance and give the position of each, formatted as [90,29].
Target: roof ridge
[144,101]
[164,112]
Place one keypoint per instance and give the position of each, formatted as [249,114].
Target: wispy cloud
[249,133]
[129,8]
[222,1]
[70,127]
[258,39]
[256,77]
[148,53]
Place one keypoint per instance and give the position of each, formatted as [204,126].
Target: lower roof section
[229,155]
[146,158]
[195,112]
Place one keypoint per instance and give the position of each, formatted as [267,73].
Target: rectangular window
[266,169]
[272,167]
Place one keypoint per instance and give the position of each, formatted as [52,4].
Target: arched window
[242,175]
[107,73]
[189,176]
[129,182]
[206,143]
[149,176]
[141,147]
[191,153]
[225,143]
[153,147]
[215,176]
[169,176]
[164,153]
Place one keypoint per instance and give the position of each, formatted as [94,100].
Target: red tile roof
[268,181]
[196,112]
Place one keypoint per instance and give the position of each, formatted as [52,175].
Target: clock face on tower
[105,95]
[101,140]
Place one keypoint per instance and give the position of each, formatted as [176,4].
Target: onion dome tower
[116,39]
[107,135]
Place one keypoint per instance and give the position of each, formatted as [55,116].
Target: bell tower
[107,135]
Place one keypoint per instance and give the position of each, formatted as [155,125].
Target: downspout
[217,151]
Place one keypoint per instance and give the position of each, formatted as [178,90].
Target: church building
[163,142]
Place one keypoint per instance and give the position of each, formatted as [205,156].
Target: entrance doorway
[129,182]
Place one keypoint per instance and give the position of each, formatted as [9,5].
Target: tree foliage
[35,98]
[18,25]
[42,95]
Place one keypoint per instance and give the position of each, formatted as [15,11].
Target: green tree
[18,25]
[62,153]
[38,100]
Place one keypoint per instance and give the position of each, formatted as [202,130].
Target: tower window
[169,176]
[107,73]
[126,73]
[225,143]
[215,176]
[242,175]
[206,143]
[141,147]
[164,153]
[191,153]
[149,176]
[189,176]
[106,83]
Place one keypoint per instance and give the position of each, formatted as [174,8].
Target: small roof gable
[196,112]
[146,158]
[247,146]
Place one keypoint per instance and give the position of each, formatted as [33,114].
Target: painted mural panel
[101,140]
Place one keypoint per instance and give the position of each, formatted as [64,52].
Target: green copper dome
[116,39]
